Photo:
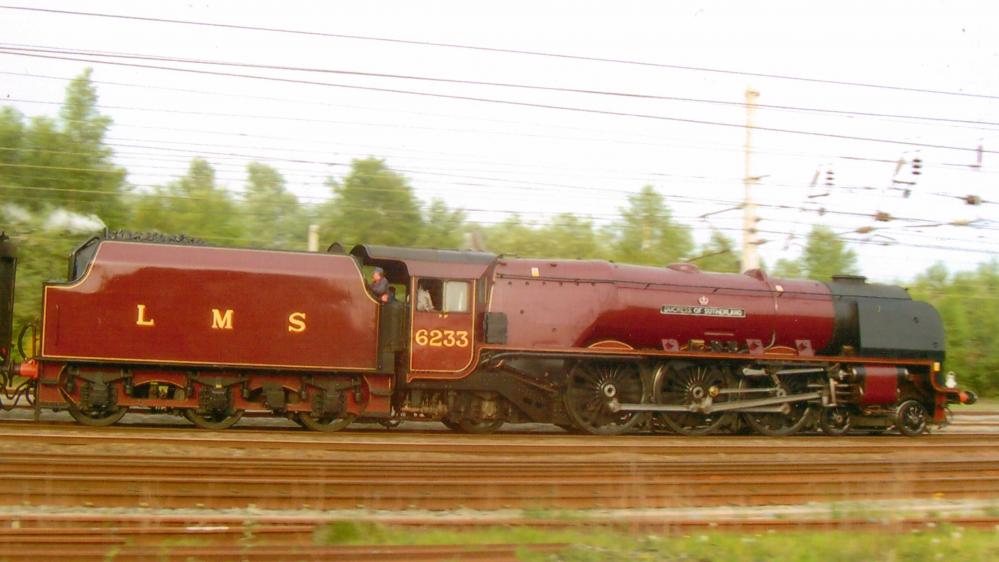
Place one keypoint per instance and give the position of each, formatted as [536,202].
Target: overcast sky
[494,159]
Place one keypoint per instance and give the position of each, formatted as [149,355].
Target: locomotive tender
[592,346]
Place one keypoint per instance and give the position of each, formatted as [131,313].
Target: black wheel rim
[325,423]
[911,418]
[779,423]
[214,420]
[100,417]
[592,387]
[835,421]
[689,386]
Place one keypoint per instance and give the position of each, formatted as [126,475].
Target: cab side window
[456,296]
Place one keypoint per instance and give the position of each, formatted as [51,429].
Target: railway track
[78,479]
[128,467]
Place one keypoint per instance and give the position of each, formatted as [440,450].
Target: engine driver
[379,285]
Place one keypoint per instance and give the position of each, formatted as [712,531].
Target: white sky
[492,159]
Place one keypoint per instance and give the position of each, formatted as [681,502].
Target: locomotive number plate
[703,311]
[441,338]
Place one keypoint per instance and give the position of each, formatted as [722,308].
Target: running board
[741,405]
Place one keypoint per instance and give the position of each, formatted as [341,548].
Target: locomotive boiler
[476,340]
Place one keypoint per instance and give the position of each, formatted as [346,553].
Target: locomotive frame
[582,345]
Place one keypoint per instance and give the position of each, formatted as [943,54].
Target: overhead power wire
[433,79]
[507,102]
[501,50]
[398,211]
[534,185]
[687,145]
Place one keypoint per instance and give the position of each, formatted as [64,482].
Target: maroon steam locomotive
[474,341]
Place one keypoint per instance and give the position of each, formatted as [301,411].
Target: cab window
[435,295]
[456,296]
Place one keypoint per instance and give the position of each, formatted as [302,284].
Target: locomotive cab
[443,301]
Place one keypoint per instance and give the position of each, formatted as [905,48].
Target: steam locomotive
[591,346]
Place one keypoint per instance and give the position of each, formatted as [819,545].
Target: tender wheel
[911,418]
[213,420]
[97,418]
[593,389]
[693,386]
[480,427]
[328,424]
[797,416]
[835,421]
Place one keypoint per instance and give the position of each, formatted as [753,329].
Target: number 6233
[441,338]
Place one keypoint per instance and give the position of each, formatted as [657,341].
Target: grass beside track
[983,405]
[943,542]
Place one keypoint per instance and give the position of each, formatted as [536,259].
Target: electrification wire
[510,103]
[564,56]
[534,87]
[558,185]
[714,146]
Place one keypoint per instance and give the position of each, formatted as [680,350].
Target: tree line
[57,176]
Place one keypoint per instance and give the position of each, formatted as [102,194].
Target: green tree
[718,254]
[789,269]
[442,227]
[374,205]
[968,304]
[271,214]
[66,163]
[824,255]
[11,153]
[569,236]
[193,205]
[49,168]
[515,237]
[647,233]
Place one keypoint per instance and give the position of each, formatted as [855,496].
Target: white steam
[15,213]
[61,219]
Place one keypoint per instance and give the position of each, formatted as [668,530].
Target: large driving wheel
[594,389]
[796,416]
[327,423]
[98,417]
[692,386]
[214,419]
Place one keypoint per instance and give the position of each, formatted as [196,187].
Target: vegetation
[606,544]
[58,184]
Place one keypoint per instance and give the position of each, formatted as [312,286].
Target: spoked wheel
[835,421]
[213,420]
[97,417]
[328,423]
[910,418]
[692,386]
[593,389]
[795,418]
[480,427]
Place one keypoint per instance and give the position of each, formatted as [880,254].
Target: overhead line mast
[750,257]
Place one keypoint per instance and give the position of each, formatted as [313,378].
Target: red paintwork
[880,384]
[96,318]
[442,352]
[579,303]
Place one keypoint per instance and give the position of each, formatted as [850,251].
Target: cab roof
[425,262]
